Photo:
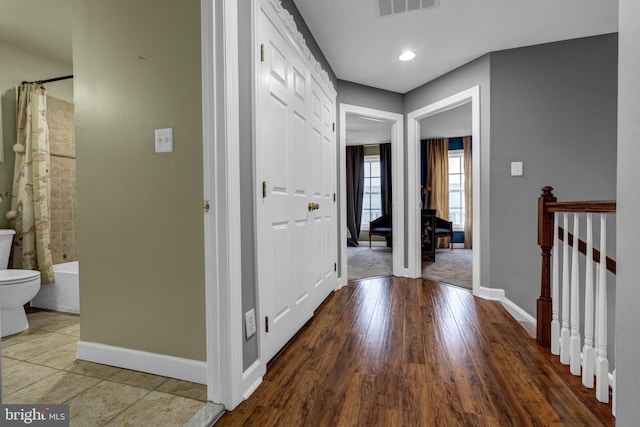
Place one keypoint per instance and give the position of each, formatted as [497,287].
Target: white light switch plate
[164,140]
[250,323]
[516,168]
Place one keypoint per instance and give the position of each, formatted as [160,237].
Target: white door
[295,173]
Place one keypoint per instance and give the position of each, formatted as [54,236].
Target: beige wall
[141,236]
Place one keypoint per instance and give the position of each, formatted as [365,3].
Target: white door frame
[397,146]
[413,174]
[221,173]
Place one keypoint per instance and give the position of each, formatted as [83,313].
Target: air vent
[392,7]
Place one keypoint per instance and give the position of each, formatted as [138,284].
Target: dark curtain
[355,191]
[385,182]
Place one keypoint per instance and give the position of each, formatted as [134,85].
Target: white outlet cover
[516,168]
[164,140]
[250,323]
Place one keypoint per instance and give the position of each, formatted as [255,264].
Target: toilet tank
[6,240]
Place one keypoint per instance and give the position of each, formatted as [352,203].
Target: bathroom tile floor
[40,366]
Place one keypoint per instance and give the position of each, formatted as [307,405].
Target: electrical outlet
[250,323]
[164,140]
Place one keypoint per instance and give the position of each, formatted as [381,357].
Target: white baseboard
[152,363]
[252,378]
[517,312]
[493,294]
[375,243]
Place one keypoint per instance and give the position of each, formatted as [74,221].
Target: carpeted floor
[452,266]
[363,261]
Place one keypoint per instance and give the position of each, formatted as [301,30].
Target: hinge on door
[334,197]
[335,266]
[206,206]
[262,52]
[264,189]
[266,323]
[334,126]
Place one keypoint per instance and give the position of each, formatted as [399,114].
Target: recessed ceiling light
[407,55]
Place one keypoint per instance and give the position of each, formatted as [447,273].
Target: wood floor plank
[411,352]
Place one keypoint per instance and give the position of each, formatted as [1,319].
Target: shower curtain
[30,206]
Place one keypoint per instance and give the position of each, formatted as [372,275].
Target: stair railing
[558,328]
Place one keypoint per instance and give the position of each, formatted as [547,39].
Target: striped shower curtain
[30,206]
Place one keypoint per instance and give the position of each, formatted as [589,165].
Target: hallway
[410,352]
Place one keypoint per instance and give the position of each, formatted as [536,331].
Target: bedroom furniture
[381,226]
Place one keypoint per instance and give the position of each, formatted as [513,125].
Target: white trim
[397,135]
[518,312]
[493,294]
[221,187]
[252,378]
[373,243]
[413,170]
[152,363]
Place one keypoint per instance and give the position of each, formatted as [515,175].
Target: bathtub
[64,294]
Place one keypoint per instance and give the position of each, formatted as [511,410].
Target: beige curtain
[30,205]
[438,180]
[468,194]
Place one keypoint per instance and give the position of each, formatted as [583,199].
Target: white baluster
[602,364]
[574,346]
[564,332]
[555,298]
[588,352]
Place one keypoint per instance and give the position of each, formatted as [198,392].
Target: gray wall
[249,300]
[370,97]
[628,315]
[475,73]
[553,107]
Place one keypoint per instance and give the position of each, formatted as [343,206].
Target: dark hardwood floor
[410,352]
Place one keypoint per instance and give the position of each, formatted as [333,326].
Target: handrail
[547,206]
[582,248]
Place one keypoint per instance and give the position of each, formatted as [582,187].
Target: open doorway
[446,190]
[368,197]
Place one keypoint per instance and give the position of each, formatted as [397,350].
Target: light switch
[516,168]
[164,140]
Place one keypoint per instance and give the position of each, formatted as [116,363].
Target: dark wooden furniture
[444,228]
[381,227]
[428,238]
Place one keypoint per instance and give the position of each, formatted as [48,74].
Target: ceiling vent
[392,7]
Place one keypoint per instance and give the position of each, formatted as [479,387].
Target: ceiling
[363,47]
[48,32]
[362,130]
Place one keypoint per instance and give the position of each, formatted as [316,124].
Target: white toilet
[17,287]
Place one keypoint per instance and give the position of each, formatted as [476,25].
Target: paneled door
[296,180]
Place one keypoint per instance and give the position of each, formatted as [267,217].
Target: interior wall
[18,65]
[475,73]
[628,292]
[141,232]
[246,80]
[553,107]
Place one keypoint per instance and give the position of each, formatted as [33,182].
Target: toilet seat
[17,276]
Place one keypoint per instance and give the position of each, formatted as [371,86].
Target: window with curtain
[456,188]
[371,203]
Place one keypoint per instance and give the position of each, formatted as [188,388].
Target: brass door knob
[313,206]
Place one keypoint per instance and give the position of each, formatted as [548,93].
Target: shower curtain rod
[55,79]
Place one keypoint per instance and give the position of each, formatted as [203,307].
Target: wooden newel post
[545,240]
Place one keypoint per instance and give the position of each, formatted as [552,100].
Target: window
[456,188]
[371,201]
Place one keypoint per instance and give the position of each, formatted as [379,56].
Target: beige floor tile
[138,379]
[59,358]
[7,362]
[91,369]
[70,330]
[35,346]
[185,389]
[102,402]
[53,323]
[158,409]
[56,388]
[24,336]
[22,374]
